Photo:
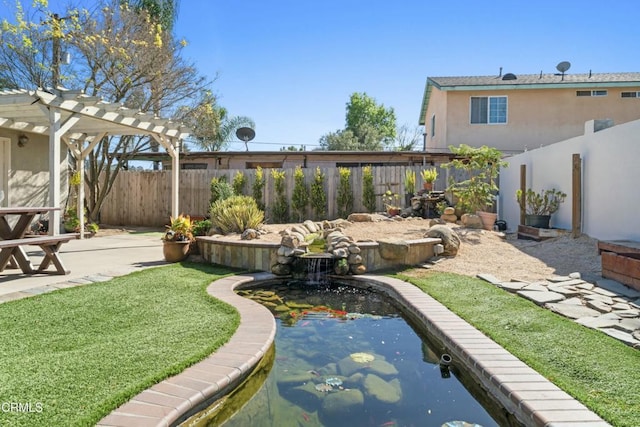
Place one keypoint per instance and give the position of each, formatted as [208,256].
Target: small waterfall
[315,267]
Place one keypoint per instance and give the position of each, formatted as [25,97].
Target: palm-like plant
[212,126]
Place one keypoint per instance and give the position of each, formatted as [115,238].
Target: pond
[346,356]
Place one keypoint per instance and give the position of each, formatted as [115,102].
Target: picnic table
[13,240]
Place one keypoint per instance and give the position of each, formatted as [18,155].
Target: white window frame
[488,118]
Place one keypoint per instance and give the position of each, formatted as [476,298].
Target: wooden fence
[142,198]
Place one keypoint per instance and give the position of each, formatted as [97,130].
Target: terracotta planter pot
[427,186]
[488,219]
[175,251]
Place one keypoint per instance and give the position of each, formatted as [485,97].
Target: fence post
[523,196]
[576,196]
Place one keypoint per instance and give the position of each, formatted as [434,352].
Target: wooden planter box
[538,234]
[621,261]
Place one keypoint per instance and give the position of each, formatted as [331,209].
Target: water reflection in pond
[346,357]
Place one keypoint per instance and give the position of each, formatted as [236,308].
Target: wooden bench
[49,244]
[621,261]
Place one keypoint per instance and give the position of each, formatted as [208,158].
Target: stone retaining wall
[261,256]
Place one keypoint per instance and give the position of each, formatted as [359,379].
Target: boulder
[360,217]
[358,269]
[281,269]
[354,259]
[340,253]
[290,241]
[354,249]
[343,403]
[311,226]
[449,218]
[300,229]
[382,367]
[449,211]
[449,238]
[382,391]
[249,234]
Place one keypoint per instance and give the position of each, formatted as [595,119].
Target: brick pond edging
[530,397]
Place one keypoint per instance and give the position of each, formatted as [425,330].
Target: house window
[488,109]
[591,93]
[192,166]
[630,94]
[433,126]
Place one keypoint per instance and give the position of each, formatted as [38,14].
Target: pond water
[345,356]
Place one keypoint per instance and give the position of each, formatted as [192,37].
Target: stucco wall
[610,177]
[536,117]
[438,107]
[28,174]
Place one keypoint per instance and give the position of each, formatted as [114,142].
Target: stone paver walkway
[606,305]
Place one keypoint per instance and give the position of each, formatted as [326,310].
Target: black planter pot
[407,199]
[538,221]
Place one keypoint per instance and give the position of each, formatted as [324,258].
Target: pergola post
[54,170]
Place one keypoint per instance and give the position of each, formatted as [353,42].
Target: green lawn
[81,352]
[78,353]
[599,371]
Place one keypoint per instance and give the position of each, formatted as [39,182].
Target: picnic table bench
[49,244]
[13,239]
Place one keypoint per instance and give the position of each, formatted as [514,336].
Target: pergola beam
[73,118]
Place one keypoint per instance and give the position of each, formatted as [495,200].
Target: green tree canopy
[364,116]
[369,127]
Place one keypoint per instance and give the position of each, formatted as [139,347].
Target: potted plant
[390,201]
[428,177]
[178,238]
[409,186]
[539,206]
[476,194]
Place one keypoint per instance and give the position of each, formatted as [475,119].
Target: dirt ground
[481,251]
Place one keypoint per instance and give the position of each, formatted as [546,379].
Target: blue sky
[292,65]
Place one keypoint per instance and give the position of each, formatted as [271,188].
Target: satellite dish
[562,67]
[246,135]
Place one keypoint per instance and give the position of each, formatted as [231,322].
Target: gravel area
[503,255]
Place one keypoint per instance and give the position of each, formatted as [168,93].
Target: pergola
[80,122]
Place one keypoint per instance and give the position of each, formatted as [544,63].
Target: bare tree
[407,138]
[121,55]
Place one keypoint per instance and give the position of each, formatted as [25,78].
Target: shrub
[239,181]
[258,187]
[545,202]
[280,209]
[481,166]
[410,181]
[236,214]
[318,196]
[201,227]
[220,189]
[300,198]
[345,193]
[368,191]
